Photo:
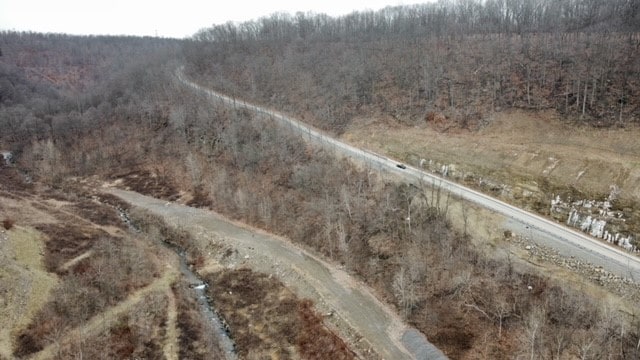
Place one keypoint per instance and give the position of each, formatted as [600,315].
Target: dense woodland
[111,107]
[462,60]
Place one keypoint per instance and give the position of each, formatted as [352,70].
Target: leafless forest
[461,60]
[108,108]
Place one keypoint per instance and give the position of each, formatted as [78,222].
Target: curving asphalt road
[567,241]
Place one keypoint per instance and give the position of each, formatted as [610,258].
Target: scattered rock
[596,274]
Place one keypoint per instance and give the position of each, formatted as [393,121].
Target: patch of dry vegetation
[97,213]
[115,269]
[25,284]
[266,319]
[153,184]
[314,340]
[8,223]
[137,334]
[96,271]
[12,180]
[67,241]
[55,280]
[178,239]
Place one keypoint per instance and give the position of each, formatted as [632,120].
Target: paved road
[567,241]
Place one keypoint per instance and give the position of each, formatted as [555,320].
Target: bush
[8,224]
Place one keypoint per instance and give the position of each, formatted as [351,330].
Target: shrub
[7,223]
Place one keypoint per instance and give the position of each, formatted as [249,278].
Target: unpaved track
[350,300]
[108,318]
[567,241]
[172,343]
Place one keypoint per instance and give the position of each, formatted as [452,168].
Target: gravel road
[354,307]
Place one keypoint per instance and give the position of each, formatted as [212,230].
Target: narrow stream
[217,325]
[199,289]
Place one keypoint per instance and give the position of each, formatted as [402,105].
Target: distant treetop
[445,17]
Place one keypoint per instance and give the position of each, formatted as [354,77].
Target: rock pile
[596,274]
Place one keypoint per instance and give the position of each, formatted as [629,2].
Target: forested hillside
[470,69]
[80,113]
[460,60]
[55,89]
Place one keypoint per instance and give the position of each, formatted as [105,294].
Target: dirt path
[107,318]
[171,345]
[357,313]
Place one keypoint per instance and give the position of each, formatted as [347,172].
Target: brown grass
[315,340]
[177,238]
[11,179]
[137,334]
[115,269]
[67,242]
[200,199]
[266,319]
[113,201]
[98,213]
[148,183]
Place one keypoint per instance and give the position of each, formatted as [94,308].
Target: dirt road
[354,307]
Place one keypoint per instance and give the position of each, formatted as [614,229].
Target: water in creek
[199,288]
[217,325]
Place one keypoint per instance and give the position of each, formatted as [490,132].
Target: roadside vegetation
[525,100]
